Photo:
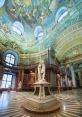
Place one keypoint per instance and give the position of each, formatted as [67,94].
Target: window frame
[11,58]
[6,83]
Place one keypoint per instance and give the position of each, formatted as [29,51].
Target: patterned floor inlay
[11,104]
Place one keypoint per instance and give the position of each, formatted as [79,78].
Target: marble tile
[11,104]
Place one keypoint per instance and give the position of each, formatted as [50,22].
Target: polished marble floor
[11,104]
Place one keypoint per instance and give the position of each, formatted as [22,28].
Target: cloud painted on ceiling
[30,13]
[2,2]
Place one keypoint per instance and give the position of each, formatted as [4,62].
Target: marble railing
[74,59]
[71,39]
[33,58]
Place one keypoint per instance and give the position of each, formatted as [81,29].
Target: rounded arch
[38,32]
[15,54]
[66,46]
[2,3]
[69,38]
[18,28]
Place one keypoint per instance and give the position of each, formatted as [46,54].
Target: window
[10,59]
[18,28]
[2,2]
[38,33]
[61,13]
[6,80]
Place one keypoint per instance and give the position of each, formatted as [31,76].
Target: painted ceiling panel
[20,18]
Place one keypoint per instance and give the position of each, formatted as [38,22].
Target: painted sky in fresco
[30,13]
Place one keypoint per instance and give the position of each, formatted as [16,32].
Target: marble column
[73,76]
[36,74]
[79,74]
[19,76]
[52,79]
[66,78]
[22,75]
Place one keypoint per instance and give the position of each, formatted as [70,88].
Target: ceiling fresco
[32,25]
[30,14]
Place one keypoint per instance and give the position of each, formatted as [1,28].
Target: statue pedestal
[42,100]
[42,89]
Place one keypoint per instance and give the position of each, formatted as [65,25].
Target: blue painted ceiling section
[30,15]
[33,13]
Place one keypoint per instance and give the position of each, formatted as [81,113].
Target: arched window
[10,59]
[61,13]
[38,33]
[2,3]
[18,28]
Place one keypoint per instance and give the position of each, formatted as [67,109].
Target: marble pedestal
[42,100]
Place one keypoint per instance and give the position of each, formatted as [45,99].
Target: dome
[26,22]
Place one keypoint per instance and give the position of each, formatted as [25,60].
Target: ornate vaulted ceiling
[29,26]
